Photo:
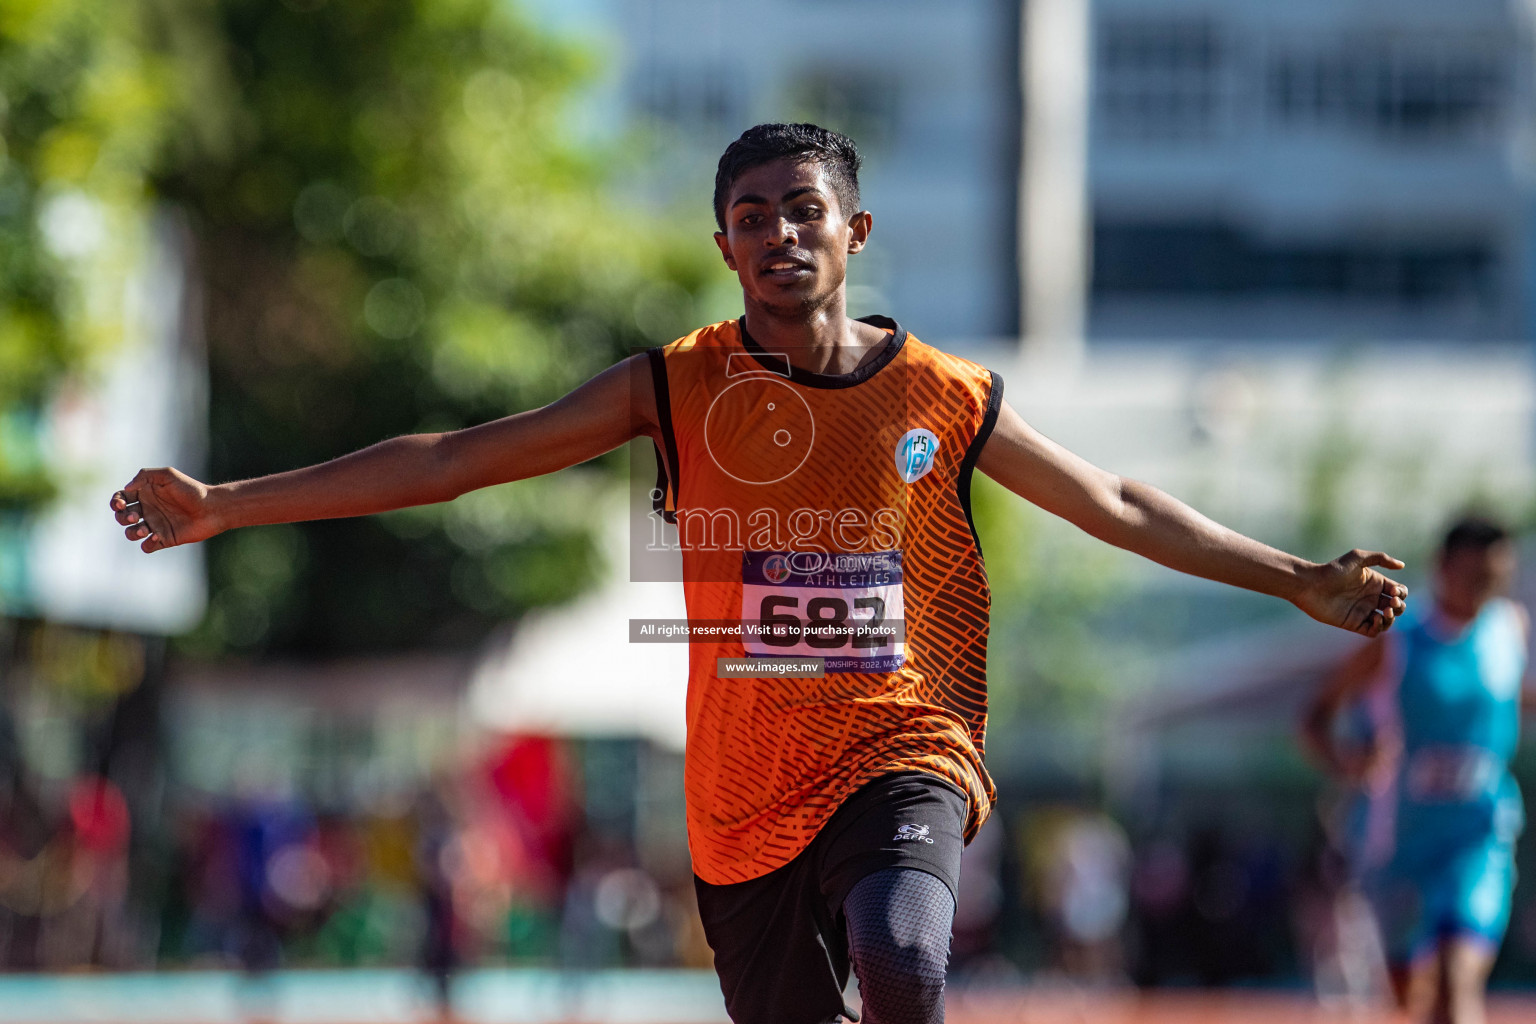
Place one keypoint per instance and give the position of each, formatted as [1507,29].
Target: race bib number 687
[845,608]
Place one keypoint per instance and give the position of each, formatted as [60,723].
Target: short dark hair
[765,143]
[1473,532]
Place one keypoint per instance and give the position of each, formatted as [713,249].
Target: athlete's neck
[823,340]
[1453,618]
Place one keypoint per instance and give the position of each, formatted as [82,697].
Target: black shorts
[780,941]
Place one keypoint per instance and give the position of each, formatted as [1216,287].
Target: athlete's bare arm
[1528,684]
[1346,592]
[1344,685]
[162,508]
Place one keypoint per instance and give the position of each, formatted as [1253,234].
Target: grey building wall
[1314,169]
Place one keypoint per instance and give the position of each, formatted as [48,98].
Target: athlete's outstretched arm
[164,507]
[1346,592]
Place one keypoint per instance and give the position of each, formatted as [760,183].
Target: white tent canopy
[573,670]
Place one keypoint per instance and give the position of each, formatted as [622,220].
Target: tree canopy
[391,230]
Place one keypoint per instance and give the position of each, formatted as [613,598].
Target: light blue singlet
[1453,699]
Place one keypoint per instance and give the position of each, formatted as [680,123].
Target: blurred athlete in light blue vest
[1436,840]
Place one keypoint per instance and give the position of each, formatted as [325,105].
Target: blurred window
[1416,87]
[1159,79]
[860,103]
[1215,258]
[694,97]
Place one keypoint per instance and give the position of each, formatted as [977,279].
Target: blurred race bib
[1446,774]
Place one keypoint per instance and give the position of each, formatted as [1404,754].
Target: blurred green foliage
[391,232]
[1049,655]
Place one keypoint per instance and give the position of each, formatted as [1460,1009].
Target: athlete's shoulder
[1507,616]
[976,391]
[947,363]
[1522,617]
[710,336]
[1505,607]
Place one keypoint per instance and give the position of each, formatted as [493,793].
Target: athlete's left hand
[1349,593]
[1372,765]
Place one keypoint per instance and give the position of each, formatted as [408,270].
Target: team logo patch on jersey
[912,834]
[915,453]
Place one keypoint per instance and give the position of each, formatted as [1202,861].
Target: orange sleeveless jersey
[827,516]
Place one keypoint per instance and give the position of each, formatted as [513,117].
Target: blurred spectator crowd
[518,859]
[499,862]
[137,836]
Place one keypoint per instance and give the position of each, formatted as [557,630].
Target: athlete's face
[1465,579]
[787,238]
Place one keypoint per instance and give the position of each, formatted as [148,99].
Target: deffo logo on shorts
[912,834]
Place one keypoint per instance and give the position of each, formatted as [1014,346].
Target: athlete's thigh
[1482,884]
[891,867]
[909,820]
[1406,904]
[778,954]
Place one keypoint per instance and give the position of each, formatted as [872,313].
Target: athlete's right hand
[1348,592]
[164,508]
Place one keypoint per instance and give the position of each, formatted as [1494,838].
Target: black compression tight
[899,921]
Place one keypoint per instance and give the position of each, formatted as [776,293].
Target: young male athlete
[818,468]
[1441,810]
